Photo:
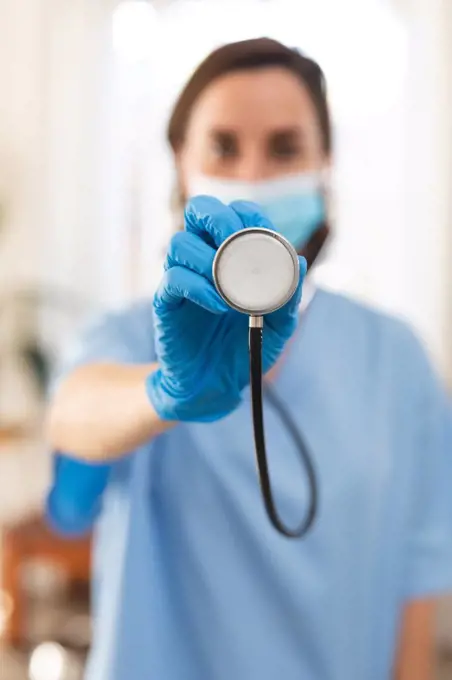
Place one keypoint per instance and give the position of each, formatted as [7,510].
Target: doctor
[150,422]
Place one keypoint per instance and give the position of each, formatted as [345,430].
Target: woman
[153,421]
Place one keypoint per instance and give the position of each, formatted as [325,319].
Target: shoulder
[380,335]
[365,316]
[132,324]
[124,335]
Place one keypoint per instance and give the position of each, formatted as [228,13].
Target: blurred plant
[21,321]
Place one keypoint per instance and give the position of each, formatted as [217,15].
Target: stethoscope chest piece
[256,271]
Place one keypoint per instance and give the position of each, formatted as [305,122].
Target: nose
[252,166]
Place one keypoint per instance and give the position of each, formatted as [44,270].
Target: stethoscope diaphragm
[256,271]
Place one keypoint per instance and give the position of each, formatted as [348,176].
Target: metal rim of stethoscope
[271,234]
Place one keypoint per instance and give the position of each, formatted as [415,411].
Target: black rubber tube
[256,381]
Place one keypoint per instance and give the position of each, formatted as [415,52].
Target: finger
[190,251]
[180,284]
[290,310]
[208,217]
[251,214]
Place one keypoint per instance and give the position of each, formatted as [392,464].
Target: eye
[285,145]
[225,144]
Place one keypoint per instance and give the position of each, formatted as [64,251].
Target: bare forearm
[101,411]
[415,659]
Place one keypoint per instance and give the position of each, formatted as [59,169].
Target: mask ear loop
[318,243]
[328,194]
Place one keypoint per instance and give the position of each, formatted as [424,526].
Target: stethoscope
[256,271]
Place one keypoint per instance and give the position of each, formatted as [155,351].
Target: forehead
[254,98]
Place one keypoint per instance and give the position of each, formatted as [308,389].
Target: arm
[415,654]
[427,541]
[101,411]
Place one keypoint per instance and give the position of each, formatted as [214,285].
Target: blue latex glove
[201,343]
[74,501]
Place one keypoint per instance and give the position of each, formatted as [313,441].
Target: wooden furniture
[32,540]
[9,435]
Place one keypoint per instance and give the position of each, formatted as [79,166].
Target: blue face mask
[294,204]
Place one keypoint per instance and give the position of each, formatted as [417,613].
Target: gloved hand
[75,499]
[201,343]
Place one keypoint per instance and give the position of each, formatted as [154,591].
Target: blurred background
[85,213]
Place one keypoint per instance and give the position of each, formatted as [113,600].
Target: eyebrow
[222,131]
[289,131]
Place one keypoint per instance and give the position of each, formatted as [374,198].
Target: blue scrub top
[191,582]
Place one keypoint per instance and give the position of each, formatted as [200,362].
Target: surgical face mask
[294,204]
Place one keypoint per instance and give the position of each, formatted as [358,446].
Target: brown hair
[251,54]
[254,54]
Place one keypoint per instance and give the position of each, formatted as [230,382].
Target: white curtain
[21,112]
[83,199]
